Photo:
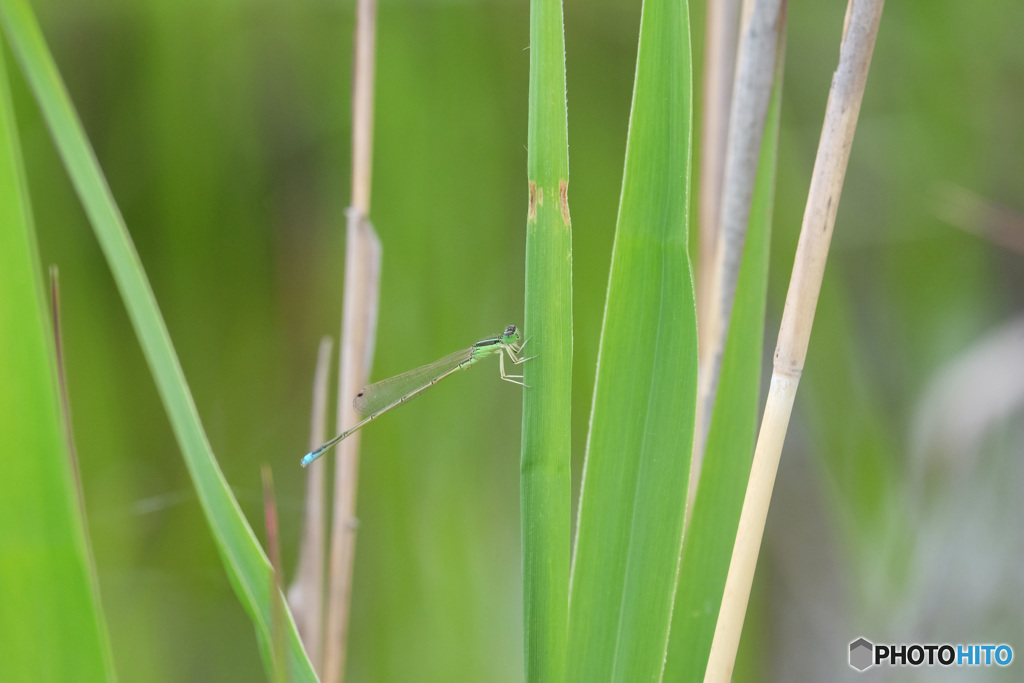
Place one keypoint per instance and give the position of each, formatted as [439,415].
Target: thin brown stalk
[306,594]
[359,324]
[65,404]
[276,599]
[358,331]
[719,68]
[845,96]
[755,73]
[362,104]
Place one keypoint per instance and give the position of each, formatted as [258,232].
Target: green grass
[244,560]
[545,480]
[52,626]
[638,455]
[222,129]
[711,532]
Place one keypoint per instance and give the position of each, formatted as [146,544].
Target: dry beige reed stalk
[845,96]
[358,332]
[719,68]
[306,594]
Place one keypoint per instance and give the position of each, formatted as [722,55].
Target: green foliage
[544,475]
[222,128]
[638,455]
[244,560]
[711,532]
[51,624]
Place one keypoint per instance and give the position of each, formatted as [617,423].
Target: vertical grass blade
[247,566]
[730,445]
[49,605]
[545,484]
[637,465]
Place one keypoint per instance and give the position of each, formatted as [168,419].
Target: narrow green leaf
[51,623]
[730,447]
[247,566]
[545,480]
[641,433]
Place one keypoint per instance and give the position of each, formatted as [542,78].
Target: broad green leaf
[707,548]
[247,566]
[638,458]
[51,623]
[545,480]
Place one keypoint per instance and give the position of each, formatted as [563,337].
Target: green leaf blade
[50,603]
[638,458]
[247,567]
[545,488]
[707,548]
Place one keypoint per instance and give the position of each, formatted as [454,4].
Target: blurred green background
[223,128]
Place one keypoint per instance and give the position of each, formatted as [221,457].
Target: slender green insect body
[377,399]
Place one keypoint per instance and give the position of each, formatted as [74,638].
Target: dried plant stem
[719,68]
[65,404]
[358,331]
[306,594]
[362,104]
[847,91]
[755,73]
[359,325]
[277,640]
[69,433]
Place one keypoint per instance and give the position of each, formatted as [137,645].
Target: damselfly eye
[510,330]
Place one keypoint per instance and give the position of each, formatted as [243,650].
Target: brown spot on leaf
[563,200]
[531,212]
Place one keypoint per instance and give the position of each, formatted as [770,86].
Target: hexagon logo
[861,654]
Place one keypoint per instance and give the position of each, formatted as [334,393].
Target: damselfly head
[511,335]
